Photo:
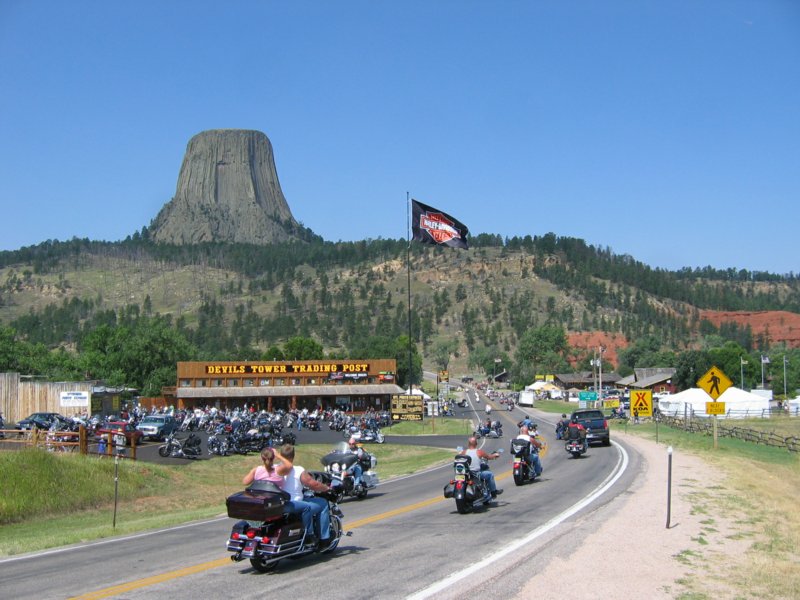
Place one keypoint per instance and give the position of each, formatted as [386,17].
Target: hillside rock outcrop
[228,191]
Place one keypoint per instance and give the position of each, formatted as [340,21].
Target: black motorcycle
[337,464]
[576,447]
[466,487]
[218,442]
[523,470]
[175,448]
[280,534]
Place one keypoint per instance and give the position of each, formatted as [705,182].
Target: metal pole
[669,484]
[741,365]
[785,397]
[408,270]
[116,489]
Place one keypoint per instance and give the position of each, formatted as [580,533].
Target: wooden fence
[109,444]
[705,426]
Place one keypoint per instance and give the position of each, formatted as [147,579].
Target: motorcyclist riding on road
[476,454]
[576,431]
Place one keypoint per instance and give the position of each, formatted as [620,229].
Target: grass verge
[759,497]
[61,499]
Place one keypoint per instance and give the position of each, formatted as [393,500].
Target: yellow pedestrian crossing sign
[714,382]
[642,403]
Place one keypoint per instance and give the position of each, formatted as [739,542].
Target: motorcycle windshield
[346,459]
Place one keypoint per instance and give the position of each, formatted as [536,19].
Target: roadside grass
[759,498]
[62,499]
[432,426]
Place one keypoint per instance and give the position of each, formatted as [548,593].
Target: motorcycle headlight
[335,467]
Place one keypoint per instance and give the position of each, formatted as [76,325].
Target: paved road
[406,539]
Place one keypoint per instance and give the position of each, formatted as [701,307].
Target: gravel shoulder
[631,554]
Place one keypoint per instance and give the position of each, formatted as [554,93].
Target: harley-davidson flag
[433,226]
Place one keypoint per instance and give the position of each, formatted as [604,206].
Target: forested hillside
[468,306]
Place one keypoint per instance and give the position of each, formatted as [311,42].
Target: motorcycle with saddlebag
[266,533]
[523,469]
[339,465]
[466,487]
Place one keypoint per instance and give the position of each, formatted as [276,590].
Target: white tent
[692,402]
[541,385]
[417,392]
[794,407]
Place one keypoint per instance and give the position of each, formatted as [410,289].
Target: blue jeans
[536,462]
[357,472]
[309,507]
[488,479]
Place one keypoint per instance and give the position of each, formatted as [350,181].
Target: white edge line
[440,586]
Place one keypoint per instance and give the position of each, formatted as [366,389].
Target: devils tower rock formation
[228,191]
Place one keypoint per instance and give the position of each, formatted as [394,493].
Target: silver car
[157,427]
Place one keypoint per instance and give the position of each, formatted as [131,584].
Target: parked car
[158,427]
[40,420]
[114,427]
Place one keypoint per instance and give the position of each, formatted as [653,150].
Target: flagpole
[408,272]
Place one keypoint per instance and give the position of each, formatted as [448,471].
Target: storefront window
[200,383]
[265,382]
[248,383]
[233,382]
[216,383]
[280,381]
[295,381]
[186,382]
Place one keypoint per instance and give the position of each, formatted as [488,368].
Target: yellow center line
[221,562]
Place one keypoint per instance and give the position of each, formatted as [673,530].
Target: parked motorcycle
[279,535]
[218,442]
[466,487]
[523,470]
[174,448]
[338,462]
[575,447]
[363,436]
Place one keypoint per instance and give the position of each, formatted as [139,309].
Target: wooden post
[83,440]
[715,432]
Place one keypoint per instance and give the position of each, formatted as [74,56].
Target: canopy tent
[541,385]
[794,407]
[692,402]
[417,392]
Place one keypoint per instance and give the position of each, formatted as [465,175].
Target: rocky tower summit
[228,191]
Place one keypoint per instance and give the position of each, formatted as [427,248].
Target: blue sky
[669,131]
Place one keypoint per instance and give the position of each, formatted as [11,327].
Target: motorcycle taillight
[251,533]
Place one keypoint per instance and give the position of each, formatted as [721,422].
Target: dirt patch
[631,554]
[773,325]
[592,340]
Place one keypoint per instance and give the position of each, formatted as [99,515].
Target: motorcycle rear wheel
[518,479]
[462,506]
[263,566]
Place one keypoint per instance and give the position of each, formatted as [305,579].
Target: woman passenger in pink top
[269,471]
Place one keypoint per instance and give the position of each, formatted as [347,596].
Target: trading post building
[290,384]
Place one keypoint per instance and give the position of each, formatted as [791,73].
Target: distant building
[288,385]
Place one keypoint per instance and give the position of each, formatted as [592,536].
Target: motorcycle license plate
[461,477]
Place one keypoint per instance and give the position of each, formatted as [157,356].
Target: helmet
[574,419]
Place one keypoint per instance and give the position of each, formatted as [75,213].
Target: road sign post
[714,382]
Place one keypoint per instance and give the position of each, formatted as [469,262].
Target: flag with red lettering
[433,226]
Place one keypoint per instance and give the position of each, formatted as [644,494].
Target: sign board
[611,403]
[444,376]
[714,382]
[587,396]
[407,407]
[715,408]
[642,403]
[73,399]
